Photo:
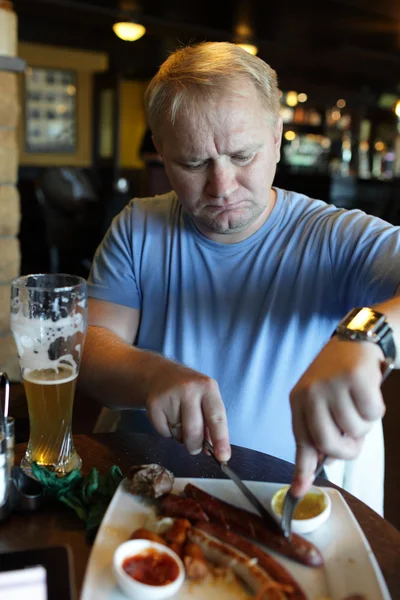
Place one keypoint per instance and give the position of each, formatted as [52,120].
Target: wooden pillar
[9,198]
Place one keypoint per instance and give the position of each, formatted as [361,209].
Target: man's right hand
[185,404]
[112,369]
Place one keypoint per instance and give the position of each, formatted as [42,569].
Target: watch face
[364,319]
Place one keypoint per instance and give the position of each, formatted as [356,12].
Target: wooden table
[58,524]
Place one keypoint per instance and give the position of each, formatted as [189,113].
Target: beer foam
[34,338]
[39,377]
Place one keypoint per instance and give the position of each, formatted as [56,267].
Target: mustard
[312,505]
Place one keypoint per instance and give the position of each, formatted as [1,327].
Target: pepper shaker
[6,451]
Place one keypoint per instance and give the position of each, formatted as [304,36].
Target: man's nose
[221,182]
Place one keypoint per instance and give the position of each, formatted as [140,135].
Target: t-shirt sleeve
[365,256]
[112,276]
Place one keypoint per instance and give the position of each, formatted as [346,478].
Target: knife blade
[254,501]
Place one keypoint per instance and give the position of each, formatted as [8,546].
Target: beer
[49,322]
[50,395]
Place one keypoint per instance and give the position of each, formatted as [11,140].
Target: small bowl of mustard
[310,513]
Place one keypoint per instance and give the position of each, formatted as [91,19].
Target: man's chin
[224,224]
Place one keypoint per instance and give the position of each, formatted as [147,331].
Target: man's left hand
[334,405]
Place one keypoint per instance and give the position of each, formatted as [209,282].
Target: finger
[192,425]
[368,400]
[159,420]
[347,417]
[215,419]
[176,431]
[306,456]
[166,408]
[325,434]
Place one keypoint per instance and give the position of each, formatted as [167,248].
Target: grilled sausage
[250,525]
[264,560]
[178,532]
[195,564]
[222,554]
[146,534]
[175,506]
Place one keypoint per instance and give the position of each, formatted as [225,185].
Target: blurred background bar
[84,148]
[74,146]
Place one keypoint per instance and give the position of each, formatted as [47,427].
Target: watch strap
[386,343]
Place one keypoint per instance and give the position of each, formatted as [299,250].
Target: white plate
[350,566]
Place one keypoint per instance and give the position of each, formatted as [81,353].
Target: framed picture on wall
[50,110]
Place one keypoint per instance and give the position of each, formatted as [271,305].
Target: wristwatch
[368,325]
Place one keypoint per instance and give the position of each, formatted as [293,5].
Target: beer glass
[49,322]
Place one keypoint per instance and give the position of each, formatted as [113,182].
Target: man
[215,303]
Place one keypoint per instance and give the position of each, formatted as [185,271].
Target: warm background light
[397,109]
[302,97]
[341,103]
[129,32]
[291,98]
[290,135]
[250,48]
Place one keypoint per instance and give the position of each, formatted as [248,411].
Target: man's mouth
[224,207]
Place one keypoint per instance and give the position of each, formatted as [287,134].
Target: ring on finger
[176,430]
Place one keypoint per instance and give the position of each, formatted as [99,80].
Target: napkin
[88,496]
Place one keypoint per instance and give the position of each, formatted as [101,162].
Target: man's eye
[243,159]
[194,167]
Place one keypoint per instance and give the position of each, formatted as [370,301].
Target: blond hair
[202,68]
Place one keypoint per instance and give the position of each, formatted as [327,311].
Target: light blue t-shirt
[252,315]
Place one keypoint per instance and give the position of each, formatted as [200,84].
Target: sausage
[251,525]
[177,548]
[222,554]
[178,532]
[195,564]
[150,480]
[146,534]
[188,508]
[264,560]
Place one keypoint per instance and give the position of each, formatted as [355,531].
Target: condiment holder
[136,589]
[311,512]
[17,490]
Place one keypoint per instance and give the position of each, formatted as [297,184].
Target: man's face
[221,158]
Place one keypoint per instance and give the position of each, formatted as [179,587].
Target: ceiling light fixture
[129,31]
[128,27]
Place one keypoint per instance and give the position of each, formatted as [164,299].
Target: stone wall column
[9,198]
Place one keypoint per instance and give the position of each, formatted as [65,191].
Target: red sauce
[151,567]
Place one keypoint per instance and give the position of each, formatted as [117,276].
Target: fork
[290,502]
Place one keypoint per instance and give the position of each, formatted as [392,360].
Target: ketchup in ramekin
[151,567]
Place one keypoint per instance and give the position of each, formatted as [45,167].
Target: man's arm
[337,400]
[121,376]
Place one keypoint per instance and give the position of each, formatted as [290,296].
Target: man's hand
[187,405]
[334,405]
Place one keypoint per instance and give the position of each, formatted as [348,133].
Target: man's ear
[157,145]
[278,138]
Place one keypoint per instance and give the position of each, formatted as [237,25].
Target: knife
[254,501]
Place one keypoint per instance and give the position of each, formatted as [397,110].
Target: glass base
[74,461]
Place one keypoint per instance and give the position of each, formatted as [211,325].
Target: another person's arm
[337,400]
[121,376]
